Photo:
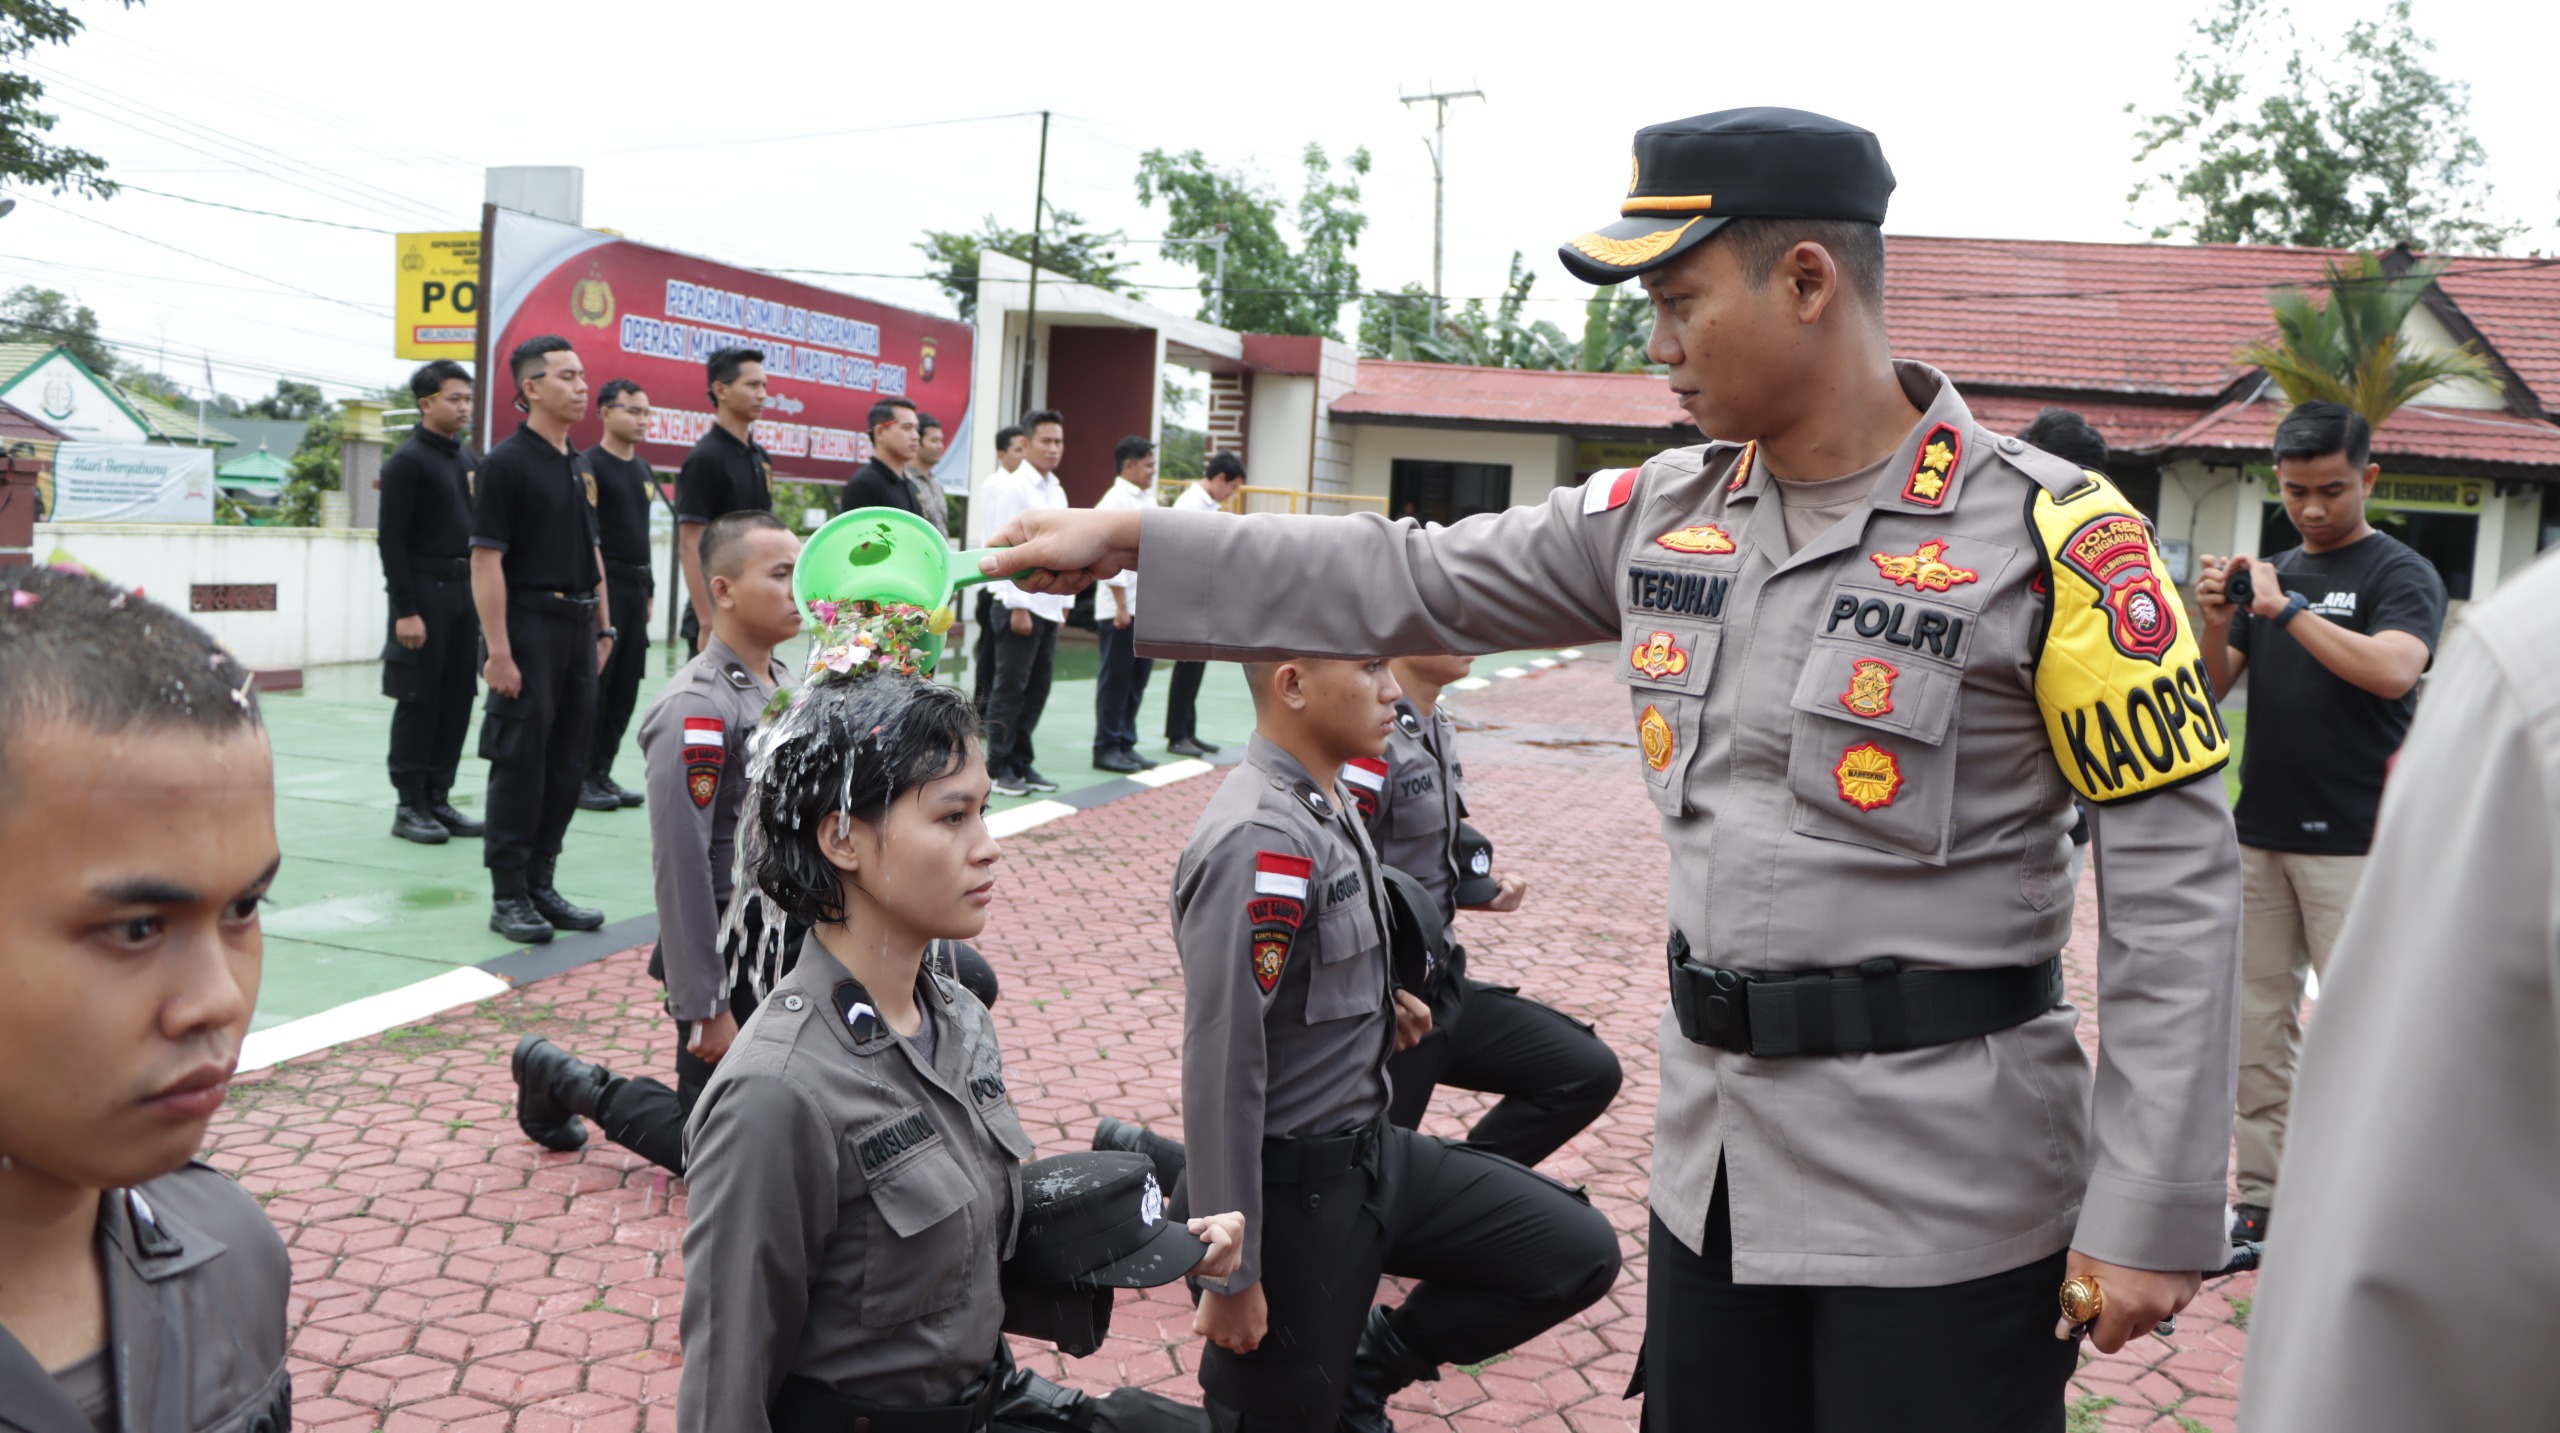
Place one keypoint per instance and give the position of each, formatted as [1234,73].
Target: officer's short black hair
[528,359]
[1132,449]
[616,389]
[2319,428]
[724,536]
[2066,434]
[1857,247]
[885,411]
[1225,464]
[1032,420]
[722,366]
[76,648]
[431,378]
[927,423]
[850,748]
[1006,434]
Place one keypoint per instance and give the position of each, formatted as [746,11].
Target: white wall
[1538,461]
[1281,429]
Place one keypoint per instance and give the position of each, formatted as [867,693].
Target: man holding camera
[2338,630]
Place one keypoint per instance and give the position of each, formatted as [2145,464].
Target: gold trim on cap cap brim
[1667,204]
[1630,253]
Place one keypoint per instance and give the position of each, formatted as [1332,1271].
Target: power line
[217,263]
[122,185]
[732,142]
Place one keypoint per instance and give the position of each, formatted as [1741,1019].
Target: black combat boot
[1167,1155]
[511,909]
[452,820]
[417,823]
[628,796]
[553,1088]
[1384,1363]
[554,907]
[597,794]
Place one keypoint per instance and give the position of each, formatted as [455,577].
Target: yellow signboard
[2430,494]
[438,312]
[1590,456]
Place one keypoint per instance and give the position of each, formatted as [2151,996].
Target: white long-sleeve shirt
[1125,496]
[1195,498]
[1006,497]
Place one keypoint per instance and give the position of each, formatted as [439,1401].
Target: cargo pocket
[1871,764]
[403,671]
[502,730]
[921,1249]
[1665,669]
[1350,976]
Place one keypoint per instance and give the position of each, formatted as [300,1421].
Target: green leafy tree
[1616,325]
[314,472]
[2349,349]
[292,401]
[1273,284]
[1182,454]
[1499,337]
[39,315]
[1067,249]
[26,156]
[2363,147]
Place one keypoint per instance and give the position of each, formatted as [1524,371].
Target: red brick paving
[451,1276]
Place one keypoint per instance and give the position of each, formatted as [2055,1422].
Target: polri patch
[706,750]
[1703,538]
[1925,568]
[2113,552]
[1367,778]
[1869,776]
[1274,921]
[1655,734]
[1660,656]
[1935,467]
[1870,691]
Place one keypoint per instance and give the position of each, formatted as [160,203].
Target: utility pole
[1031,310]
[1439,147]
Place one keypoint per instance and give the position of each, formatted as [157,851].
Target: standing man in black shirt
[537,576]
[728,471]
[427,667]
[882,482]
[620,483]
[2336,632]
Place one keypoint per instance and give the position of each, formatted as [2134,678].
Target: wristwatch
[2293,607]
[606,634]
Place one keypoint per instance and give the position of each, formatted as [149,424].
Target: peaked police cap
[1690,176]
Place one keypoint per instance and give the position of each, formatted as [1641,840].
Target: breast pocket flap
[915,1182]
[1852,682]
[1668,656]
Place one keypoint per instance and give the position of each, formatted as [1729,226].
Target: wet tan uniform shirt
[2431,1085]
[1865,746]
[848,1203]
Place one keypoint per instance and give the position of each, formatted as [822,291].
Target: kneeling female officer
[854,1166]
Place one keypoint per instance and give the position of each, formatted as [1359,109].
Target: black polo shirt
[425,511]
[531,506]
[622,504]
[876,486]
[723,475]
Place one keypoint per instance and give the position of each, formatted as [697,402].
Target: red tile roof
[2487,439]
[16,423]
[1447,392]
[2128,426]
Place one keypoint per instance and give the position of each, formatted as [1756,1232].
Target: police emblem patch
[1870,691]
[1935,467]
[1655,733]
[1367,778]
[1869,776]
[591,488]
[1660,656]
[706,750]
[2113,551]
[1274,922]
[1704,537]
[1926,568]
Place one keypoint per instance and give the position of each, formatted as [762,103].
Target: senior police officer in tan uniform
[1872,650]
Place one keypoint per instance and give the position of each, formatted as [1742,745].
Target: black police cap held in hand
[1692,175]
[1092,1222]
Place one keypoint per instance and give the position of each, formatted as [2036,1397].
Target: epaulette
[2066,480]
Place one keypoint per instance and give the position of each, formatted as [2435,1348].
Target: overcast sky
[723,129]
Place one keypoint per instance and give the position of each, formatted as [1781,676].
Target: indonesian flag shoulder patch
[1608,490]
[706,751]
[1273,914]
[1367,778]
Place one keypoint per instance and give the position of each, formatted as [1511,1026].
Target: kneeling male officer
[1279,911]
[1872,651]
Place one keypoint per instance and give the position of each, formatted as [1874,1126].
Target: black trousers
[1021,690]
[536,742]
[1122,686]
[1554,1073]
[982,652]
[431,691]
[1182,701]
[645,1117]
[1504,1253]
[618,686]
[1975,1357]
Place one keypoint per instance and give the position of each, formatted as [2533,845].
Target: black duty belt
[1316,1158]
[1878,1006]
[807,1406]
[629,572]
[554,603]
[449,568]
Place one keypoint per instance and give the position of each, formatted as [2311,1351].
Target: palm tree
[2349,350]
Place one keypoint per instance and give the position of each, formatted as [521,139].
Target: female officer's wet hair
[849,747]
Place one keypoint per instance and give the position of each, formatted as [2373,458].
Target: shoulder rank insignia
[737,676]
[1935,467]
[706,750]
[1925,569]
[2127,704]
[1869,776]
[1655,734]
[1742,466]
[1608,490]
[1407,722]
[1660,656]
[1705,538]
[1367,778]
[1278,907]
[1870,691]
